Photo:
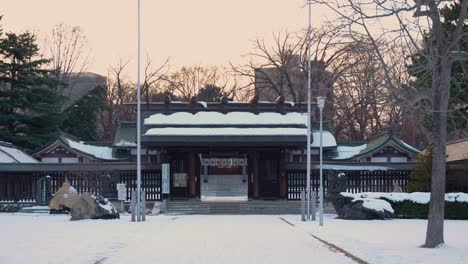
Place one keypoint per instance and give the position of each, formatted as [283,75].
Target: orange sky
[208,32]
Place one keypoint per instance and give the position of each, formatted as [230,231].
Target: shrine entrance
[223,178]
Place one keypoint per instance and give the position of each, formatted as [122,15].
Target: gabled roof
[355,150]
[457,150]
[73,144]
[9,153]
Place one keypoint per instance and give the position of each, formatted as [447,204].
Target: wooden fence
[150,183]
[22,187]
[356,181]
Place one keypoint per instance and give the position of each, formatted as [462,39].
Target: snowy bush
[416,205]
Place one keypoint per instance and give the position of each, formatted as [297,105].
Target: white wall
[379,159]
[50,160]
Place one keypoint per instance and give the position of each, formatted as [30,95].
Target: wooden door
[269,177]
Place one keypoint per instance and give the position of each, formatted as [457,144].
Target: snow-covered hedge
[416,205]
[416,197]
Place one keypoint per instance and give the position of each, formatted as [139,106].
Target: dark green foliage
[408,209]
[210,93]
[420,177]
[81,117]
[29,102]
[9,208]
[420,69]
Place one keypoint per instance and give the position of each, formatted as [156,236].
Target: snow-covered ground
[40,238]
[391,241]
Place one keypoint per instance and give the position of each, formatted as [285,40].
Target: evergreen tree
[81,117]
[457,115]
[210,93]
[420,177]
[29,103]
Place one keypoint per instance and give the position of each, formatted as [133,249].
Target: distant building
[79,85]
[290,81]
[457,160]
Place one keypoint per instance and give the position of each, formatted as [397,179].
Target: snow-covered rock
[82,206]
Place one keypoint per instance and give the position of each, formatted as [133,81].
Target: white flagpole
[308,109]
[138,207]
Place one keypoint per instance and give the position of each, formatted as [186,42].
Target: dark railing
[22,187]
[18,187]
[150,183]
[356,181]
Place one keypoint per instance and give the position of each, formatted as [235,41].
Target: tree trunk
[441,92]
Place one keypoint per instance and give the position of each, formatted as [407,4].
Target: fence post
[313,204]
[132,205]
[143,206]
[303,206]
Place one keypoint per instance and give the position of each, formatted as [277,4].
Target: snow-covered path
[391,241]
[162,239]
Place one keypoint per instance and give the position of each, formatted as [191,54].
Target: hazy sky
[208,32]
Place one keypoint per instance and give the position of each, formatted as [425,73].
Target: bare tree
[151,76]
[364,105]
[66,48]
[413,20]
[188,81]
[281,69]
[119,91]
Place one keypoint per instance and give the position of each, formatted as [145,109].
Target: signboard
[179,180]
[165,178]
[224,163]
[121,192]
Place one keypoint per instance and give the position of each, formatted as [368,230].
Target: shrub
[409,209]
[9,208]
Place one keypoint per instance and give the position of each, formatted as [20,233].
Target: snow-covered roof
[10,154]
[346,152]
[351,150]
[232,118]
[457,150]
[96,151]
[351,167]
[328,140]
[225,131]
[124,143]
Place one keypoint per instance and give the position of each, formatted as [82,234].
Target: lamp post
[321,104]
[309,2]
[138,198]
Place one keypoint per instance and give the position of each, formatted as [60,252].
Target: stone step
[253,207]
[35,210]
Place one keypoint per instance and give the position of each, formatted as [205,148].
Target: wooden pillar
[192,174]
[282,174]
[256,176]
